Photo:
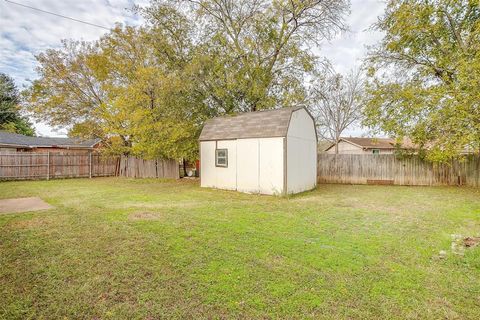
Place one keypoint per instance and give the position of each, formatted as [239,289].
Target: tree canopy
[147,90]
[10,117]
[259,49]
[425,75]
[128,89]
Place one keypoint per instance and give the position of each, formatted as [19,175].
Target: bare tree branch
[336,103]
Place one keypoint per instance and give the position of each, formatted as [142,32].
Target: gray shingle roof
[259,124]
[14,139]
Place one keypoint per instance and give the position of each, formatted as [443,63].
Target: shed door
[247,165]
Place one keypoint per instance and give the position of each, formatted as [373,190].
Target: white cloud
[25,33]
[348,49]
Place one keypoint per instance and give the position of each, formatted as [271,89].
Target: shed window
[375,151]
[221,158]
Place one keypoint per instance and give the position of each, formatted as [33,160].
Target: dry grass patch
[33,223]
[145,215]
[159,205]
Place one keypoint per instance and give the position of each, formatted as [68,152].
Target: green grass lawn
[118,248]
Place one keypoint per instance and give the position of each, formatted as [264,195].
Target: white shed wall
[248,165]
[207,164]
[254,165]
[218,177]
[271,165]
[227,177]
[301,153]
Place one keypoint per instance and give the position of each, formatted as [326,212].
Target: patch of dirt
[34,223]
[158,205]
[145,215]
[23,205]
[470,242]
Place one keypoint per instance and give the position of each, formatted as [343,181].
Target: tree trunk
[184,167]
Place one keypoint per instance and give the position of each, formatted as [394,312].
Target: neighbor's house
[378,146]
[12,142]
[366,146]
[268,152]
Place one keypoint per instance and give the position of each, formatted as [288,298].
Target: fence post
[90,164]
[48,165]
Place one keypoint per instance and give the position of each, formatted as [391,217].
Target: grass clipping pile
[459,243]
[471,242]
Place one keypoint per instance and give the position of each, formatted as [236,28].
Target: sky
[25,33]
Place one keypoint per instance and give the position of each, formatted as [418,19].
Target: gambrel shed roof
[259,124]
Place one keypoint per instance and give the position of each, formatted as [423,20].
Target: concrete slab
[23,205]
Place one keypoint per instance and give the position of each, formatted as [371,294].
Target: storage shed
[268,152]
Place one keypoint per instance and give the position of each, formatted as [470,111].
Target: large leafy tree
[258,50]
[425,75]
[147,90]
[70,89]
[130,88]
[10,117]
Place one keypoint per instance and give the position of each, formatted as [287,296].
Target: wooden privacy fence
[51,165]
[158,168]
[388,169]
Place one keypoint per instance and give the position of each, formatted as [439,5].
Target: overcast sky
[25,33]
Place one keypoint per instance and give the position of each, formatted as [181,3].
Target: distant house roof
[259,124]
[21,141]
[372,143]
[375,143]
